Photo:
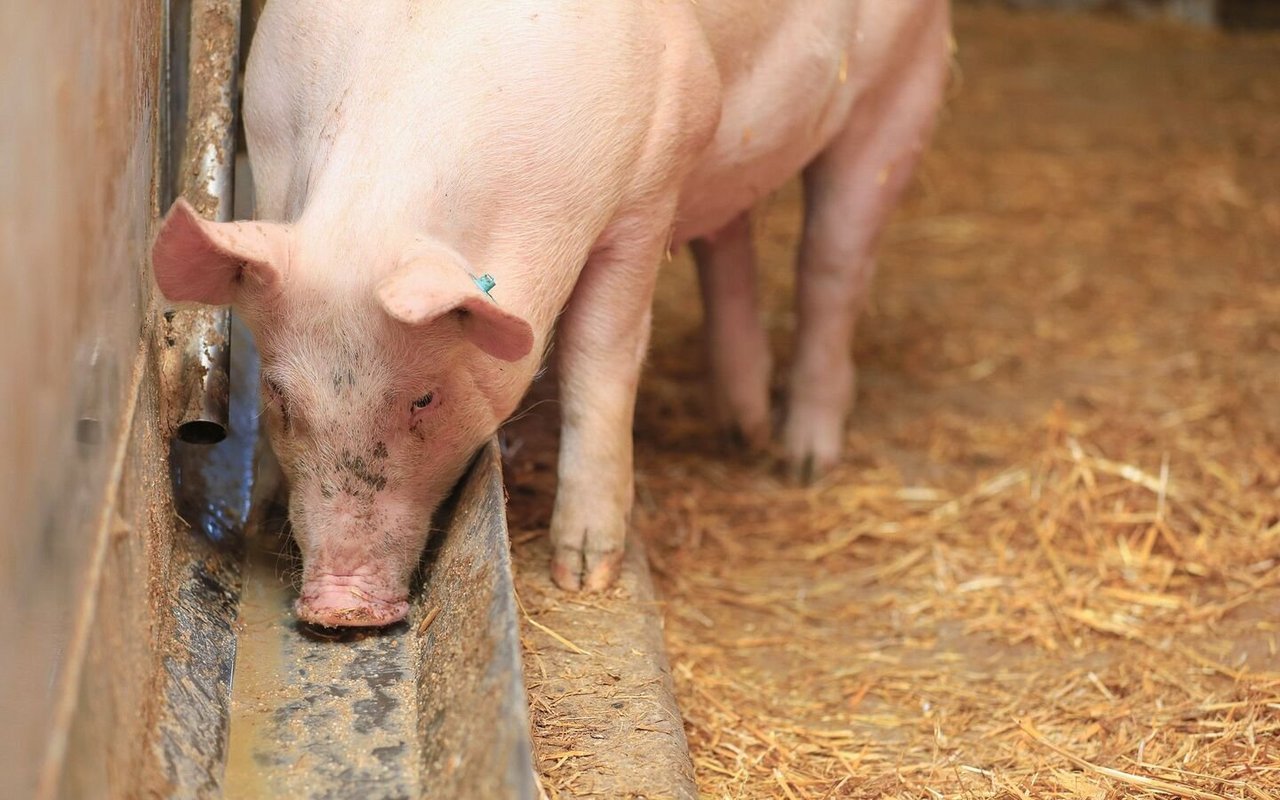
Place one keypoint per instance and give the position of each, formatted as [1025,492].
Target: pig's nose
[339,601]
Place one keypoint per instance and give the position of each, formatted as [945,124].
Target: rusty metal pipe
[198,341]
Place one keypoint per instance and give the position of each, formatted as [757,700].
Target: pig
[442,183]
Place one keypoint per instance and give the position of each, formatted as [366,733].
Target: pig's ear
[435,282]
[207,262]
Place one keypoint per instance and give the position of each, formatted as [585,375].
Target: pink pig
[403,149]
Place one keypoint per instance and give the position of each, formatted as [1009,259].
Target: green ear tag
[485,282]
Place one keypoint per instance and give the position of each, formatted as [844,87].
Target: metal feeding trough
[254,703]
[434,706]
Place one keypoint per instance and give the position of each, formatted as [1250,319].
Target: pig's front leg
[602,339]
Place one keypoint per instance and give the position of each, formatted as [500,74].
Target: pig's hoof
[807,462]
[349,607]
[812,444]
[575,569]
[805,471]
[753,438]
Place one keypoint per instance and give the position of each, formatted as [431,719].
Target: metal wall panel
[82,484]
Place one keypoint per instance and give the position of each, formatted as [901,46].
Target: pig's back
[492,104]
[791,72]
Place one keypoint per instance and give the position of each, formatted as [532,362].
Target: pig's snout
[339,601]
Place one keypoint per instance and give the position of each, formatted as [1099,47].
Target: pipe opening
[202,431]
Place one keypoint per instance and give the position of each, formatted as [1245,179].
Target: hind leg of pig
[602,338]
[850,191]
[737,347]
[834,272]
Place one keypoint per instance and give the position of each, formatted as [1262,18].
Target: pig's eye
[424,401]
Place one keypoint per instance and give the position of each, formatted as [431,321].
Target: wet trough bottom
[313,708]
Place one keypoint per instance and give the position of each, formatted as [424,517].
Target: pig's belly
[753,154]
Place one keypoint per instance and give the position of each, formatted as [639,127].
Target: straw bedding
[1050,563]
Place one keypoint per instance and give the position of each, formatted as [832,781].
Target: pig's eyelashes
[421,407]
[424,401]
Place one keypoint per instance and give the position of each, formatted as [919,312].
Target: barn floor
[1050,564]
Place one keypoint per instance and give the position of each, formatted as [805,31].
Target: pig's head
[376,393]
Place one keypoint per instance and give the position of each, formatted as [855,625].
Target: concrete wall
[83,481]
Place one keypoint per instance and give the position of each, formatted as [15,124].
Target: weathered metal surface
[473,715]
[213,493]
[211,485]
[78,78]
[201,337]
[197,348]
[192,722]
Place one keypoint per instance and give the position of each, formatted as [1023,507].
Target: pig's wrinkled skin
[562,146]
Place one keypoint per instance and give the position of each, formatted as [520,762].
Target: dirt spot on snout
[359,476]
